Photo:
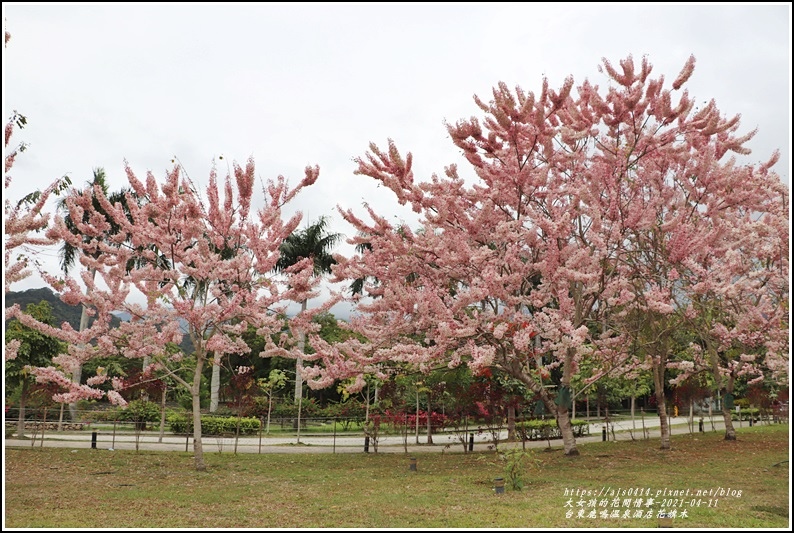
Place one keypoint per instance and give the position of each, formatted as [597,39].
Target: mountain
[61,311]
[70,313]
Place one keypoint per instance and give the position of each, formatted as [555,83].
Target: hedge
[547,429]
[213,425]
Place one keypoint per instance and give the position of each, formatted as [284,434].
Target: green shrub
[287,409]
[547,429]
[212,425]
[138,411]
[185,400]
[350,409]
[747,412]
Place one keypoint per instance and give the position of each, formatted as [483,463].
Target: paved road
[328,444]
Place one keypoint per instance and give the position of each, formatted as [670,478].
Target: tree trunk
[563,418]
[23,397]
[366,412]
[730,432]
[566,429]
[215,384]
[300,406]
[146,362]
[269,407]
[417,414]
[429,423]
[573,404]
[299,360]
[711,414]
[162,413]
[664,426]
[511,423]
[195,392]
[77,375]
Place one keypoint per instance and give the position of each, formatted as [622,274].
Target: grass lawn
[58,487]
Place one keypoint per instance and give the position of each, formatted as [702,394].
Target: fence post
[366,444]
[93,440]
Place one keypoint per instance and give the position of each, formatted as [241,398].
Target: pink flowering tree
[572,224]
[24,221]
[204,266]
[507,272]
[689,210]
[736,288]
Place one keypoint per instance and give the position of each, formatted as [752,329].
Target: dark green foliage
[311,242]
[60,311]
[547,429]
[213,425]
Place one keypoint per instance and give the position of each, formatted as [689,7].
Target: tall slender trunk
[417,413]
[366,412]
[429,422]
[146,362]
[300,406]
[299,360]
[269,407]
[23,398]
[195,391]
[77,374]
[215,383]
[162,412]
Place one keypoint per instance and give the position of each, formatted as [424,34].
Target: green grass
[56,487]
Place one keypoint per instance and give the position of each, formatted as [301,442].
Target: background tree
[583,207]
[736,299]
[35,349]
[21,221]
[172,220]
[269,386]
[315,243]
[68,252]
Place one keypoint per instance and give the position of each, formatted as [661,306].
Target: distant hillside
[61,311]
[67,313]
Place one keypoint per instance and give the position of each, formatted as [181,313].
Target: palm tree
[68,253]
[311,242]
[357,285]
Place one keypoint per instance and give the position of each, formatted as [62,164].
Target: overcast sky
[313,84]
